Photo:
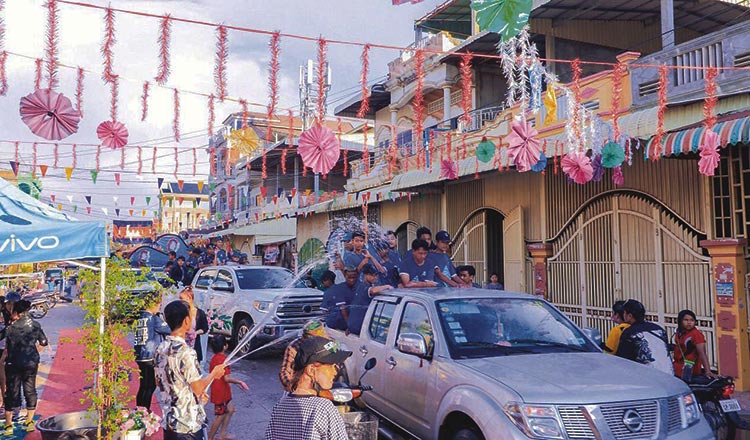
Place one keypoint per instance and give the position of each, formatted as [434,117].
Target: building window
[731,193]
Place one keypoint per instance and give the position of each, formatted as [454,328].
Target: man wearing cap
[221,253]
[302,414]
[286,374]
[363,296]
[445,271]
[643,342]
[337,298]
[208,258]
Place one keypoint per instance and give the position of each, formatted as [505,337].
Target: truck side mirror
[412,343]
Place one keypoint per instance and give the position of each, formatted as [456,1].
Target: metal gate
[470,246]
[624,245]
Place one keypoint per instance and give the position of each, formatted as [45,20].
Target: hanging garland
[108,44]
[56,157]
[661,109]
[144,101]
[176,120]
[365,151]
[79,91]
[418,104]
[709,148]
[140,160]
[153,160]
[709,105]
[75,156]
[176,162]
[617,76]
[38,74]
[364,105]
[165,32]
[576,118]
[114,98]
[51,49]
[220,69]
[466,83]
[211,115]
[322,44]
[3,73]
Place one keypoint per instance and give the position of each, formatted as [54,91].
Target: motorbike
[719,409]
[40,305]
[360,425]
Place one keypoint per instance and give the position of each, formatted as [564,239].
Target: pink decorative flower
[578,167]
[49,114]
[113,134]
[523,146]
[709,151]
[448,169]
[617,178]
[319,149]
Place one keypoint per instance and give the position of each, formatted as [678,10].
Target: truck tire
[467,434]
[243,327]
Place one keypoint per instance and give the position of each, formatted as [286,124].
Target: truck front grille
[615,414]
[575,423]
[300,308]
[675,416]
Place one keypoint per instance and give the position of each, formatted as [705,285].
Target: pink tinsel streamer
[140,160]
[195,162]
[617,74]
[575,65]
[3,73]
[273,75]
[153,160]
[79,91]
[38,74]
[51,49]
[165,31]
[418,103]
[33,159]
[56,156]
[465,69]
[75,156]
[114,87]
[322,43]
[144,101]
[289,141]
[108,44]
[220,69]
[212,161]
[211,115]
[122,158]
[656,148]
[365,151]
[245,112]
[176,162]
[709,105]
[98,156]
[364,106]
[176,121]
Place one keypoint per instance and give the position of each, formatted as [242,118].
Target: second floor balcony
[404,67]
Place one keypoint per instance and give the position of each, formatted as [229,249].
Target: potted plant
[109,354]
[136,423]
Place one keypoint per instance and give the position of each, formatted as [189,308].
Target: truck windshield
[265,279]
[485,327]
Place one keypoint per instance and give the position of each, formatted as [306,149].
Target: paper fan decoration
[709,151]
[49,114]
[596,164]
[578,167]
[523,146]
[617,178]
[319,149]
[485,150]
[113,134]
[245,140]
[448,169]
[506,17]
[613,155]
[541,165]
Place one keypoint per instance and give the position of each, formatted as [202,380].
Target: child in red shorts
[221,392]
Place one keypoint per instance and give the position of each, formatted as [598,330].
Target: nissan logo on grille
[632,420]
[307,308]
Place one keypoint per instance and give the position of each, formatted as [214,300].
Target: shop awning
[733,131]
[270,239]
[276,227]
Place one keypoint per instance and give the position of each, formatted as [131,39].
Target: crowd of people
[371,269]
[181,270]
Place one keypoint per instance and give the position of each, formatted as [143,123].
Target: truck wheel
[243,327]
[467,434]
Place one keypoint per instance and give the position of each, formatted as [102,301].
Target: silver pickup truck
[479,364]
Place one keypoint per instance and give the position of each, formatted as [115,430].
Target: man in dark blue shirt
[362,297]
[221,253]
[390,274]
[445,271]
[393,254]
[417,268]
[337,298]
[467,274]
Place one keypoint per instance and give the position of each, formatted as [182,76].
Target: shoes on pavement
[8,429]
[28,426]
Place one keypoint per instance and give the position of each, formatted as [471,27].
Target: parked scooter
[719,409]
[360,425]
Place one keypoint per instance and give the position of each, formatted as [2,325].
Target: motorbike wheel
[722,428]
[53,300]
[467,434]
[38,311]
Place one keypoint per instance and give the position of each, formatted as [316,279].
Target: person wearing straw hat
[286,374]
[182,390]
[302,414]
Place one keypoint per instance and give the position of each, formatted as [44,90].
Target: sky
[192,64]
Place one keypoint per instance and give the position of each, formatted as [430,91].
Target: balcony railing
[727,47]
[479,117]
[404,64]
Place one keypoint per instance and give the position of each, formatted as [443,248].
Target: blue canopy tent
[32,232]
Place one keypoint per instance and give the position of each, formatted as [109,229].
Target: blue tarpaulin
[32,232]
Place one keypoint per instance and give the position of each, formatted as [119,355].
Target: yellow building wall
[312,226]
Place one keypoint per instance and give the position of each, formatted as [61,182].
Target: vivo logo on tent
[16,244]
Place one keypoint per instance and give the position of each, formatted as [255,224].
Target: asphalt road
[260,373]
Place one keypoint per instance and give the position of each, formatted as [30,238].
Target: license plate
[730,405]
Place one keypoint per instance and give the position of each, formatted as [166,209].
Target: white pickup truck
[470,364]
[235,298]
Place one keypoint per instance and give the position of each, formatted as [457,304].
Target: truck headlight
[691,409]
[262,306]
[534,420]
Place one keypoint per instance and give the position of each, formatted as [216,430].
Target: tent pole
[100,365]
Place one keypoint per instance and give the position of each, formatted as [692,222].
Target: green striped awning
[733,131]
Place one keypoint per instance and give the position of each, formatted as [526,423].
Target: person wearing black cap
[363,295]
[445,271]
[302,414]
[643,342]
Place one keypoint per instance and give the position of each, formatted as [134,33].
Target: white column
[446,103]
[667,24]
[394,117]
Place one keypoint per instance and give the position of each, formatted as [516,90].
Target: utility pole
[308,102]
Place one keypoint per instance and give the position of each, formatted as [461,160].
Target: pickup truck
[235,298]
[474,364]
